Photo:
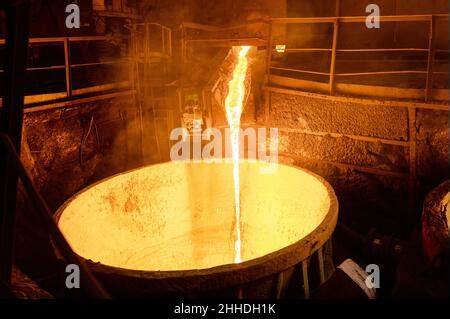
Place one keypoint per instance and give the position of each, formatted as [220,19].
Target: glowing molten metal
[234,105]
[171,216]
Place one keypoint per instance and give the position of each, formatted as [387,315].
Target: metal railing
[334,49]
[68,66]
[142,39]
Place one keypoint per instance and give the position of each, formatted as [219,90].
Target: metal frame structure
[17,17]
[69,66]
[90,283]
[11,168]
[336,22]
[188,41]
[144,55]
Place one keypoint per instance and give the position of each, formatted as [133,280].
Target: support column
[11,116]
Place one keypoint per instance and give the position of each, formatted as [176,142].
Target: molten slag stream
[234,105]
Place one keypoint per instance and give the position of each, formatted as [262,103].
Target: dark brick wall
[312,134]
[69,148]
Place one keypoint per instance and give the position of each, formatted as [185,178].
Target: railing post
[269,50]
[163,41]
[183,46]
[430,64]
[412,176]
[337,8]
[170,42]
[132,56]
[333,55]
[68,67]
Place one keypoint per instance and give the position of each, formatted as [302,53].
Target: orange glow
[234,105]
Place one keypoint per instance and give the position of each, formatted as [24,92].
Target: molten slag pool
[169,229]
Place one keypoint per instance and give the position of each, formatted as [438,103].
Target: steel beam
[17,16]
